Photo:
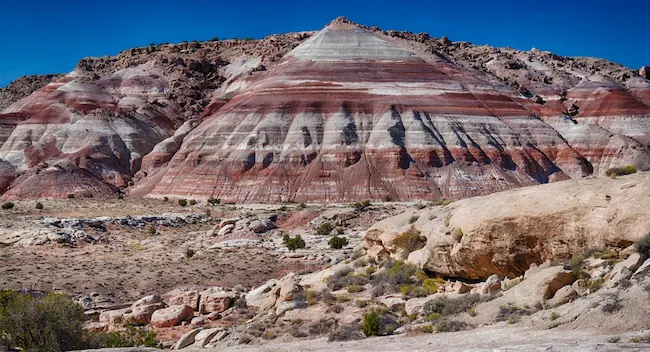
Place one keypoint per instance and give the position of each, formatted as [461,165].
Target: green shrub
[554,315]
[130,337]
[450,306]
[294,243]
[430,286]
[410,240]
[7,205]
[643,246]
[595,285]
[427,329]
[447,325]
[337,242]
[214,201]
[397,273]
[457,235]
[362,206]
[39,206]
[346,278]
[355,288]
[182,202]
[52,322]
[324,229]
[434,316]
[620,171]
[371,323]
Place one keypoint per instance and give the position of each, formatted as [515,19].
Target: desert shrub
[370,270]
[427,329]
[208,213]
[371,323]
[346,278]
[337,242]
[283,208]
[554,315]
[410,291]
[182,202]
[165,199]
[441,201]
[640,339]
[620,171]
[355,288]
[448,325]
[472,312]
[643,246]
[362,206]
[192,202]
[327,296]
[39,206]
[52,322]
[346,333]
[361,303]
[321,327]
[337,308]
[302,206]
[397,273]
[214,201]
[410,240]
[595,284]
[387,199]
[576,267]
[324,229]
[189,253]
[7,205]
[130,337]
[120,196]
[430,285]
[70,196]
[450,306]
[511,313]
[293,243]
[611,305]
[413,219]
[614,339]
[152,230]
[312,297]
[434,316]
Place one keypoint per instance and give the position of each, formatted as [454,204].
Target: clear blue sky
[49,36]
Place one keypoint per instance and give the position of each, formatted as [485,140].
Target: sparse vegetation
[192,202]
[643,246]
[371,323]
[152,230]
[448,325]
[430,286]
[641,339]
[355,288]
[362,206]
[410,240]
[511,313]
[397,273]
[120,196]
[614,339]
[324,229]
[413,219]
[39,206]
[214,201]
[451,306]
[189,253]
[54,322]
[554,315]
[165,199]
[337,242]
[387,199]
[8,205]
[346,333]
[620,171]
[595,284]
[70,196]
[293,243]
[346,278]
[457,235]
[182,202]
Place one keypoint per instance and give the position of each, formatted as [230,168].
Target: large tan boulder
[504,233]
[113,317]
[171,316]
[141,314]
[179,296]
[263,297]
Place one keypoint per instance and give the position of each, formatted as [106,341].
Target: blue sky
[51,36]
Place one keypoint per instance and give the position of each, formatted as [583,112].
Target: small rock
[147,301]
[226,230]
[581,287]
[491,285]
[461,287]
[198,321]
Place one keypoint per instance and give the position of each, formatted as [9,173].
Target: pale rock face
[188,297]
[564,295]
[171,316]
[215,300]
[473,238]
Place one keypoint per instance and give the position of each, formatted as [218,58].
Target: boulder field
[340,115]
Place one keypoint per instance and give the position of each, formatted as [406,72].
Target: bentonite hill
[343,114]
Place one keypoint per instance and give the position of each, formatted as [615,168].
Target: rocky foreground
[581,282]
[346,113]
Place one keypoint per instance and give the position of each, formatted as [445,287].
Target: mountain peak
[343,22]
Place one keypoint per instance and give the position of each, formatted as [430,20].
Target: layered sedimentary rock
[350,114]
[506,232]
[353,112]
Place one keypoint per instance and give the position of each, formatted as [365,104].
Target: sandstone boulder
[188,297]
[474,239]
[206,336]
[113,317]
[187,339]
[562,296]
[171,316]
[264,296]
[215,300]
[147,301]
[581,287]
[141,314]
